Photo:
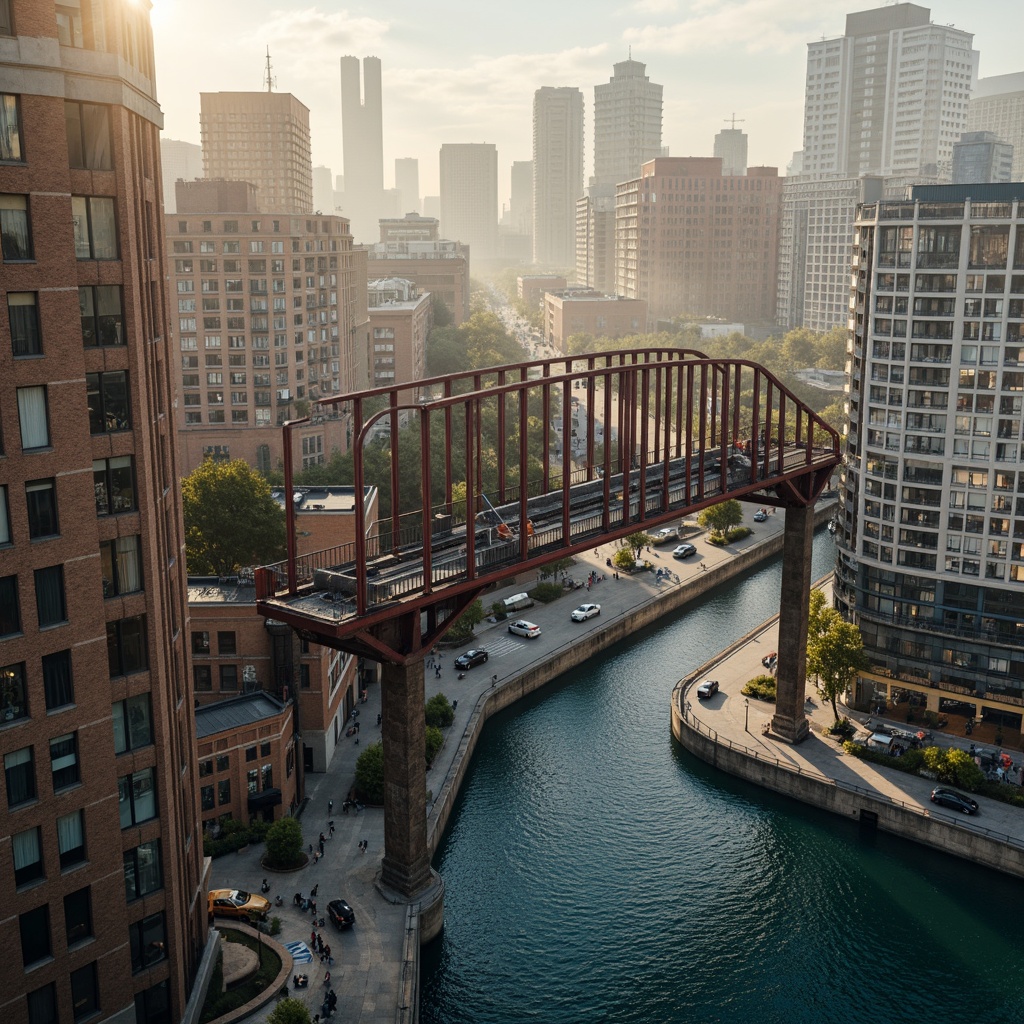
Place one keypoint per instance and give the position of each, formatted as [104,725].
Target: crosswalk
[508,644]
[300,952]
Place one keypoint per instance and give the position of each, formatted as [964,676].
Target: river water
[595,871]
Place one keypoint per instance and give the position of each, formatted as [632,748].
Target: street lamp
[254,920]
[746,713]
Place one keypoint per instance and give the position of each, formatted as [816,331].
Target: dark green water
[596,872]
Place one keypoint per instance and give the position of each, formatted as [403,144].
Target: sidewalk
[366,973]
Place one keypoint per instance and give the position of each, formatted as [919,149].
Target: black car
[951,798]
[471,658]
[341,914]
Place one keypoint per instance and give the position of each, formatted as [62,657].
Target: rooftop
[238,589]
[236,712]
[340,498]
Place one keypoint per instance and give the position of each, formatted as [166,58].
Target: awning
[268,798]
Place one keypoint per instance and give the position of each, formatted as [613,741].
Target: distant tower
[323,189]
[981,157]
[627,123]
[469,196]
[407,181]
[182,160]
[557,173]
[362,139]
[731,146]
[521,205]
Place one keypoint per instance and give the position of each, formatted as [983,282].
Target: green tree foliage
[442,315]
[434,741]
[462,629]
[559,568]
[719,519]
[289,1011]
[479,342]
[835,652]
[636,542]
[954,767]
[370,774]
[231,521]
[439,711]
[284,844]
[624,559]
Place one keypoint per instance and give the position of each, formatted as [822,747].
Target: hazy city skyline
[462,78]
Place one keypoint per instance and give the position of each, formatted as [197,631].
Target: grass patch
[219,1003]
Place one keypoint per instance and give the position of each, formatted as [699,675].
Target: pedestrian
[321,847]
[316,857]
[327,953]
[330,807]
[314,891]
[327,977]
[321,840]
[312,904]
[312,937]
[330,831]
[378,719]
[455,705]
[437,672]
[311,849]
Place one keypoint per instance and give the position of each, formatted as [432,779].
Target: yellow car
[237,903]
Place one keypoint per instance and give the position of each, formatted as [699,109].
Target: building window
[58,685]
[153,1005]
[202,678]
[267,777]
[35,935]
[12,693]
[102,319]
[19,769]
[85,993]
[136,795]
[42,1003]
[107,395]
[142,871]
[23,314]
[10,136]
[264,749]
[95,228]
[133,723]
[250,753]
[114,485]
[15,238]
[226,643]
[64,761]
[121,564]
[224,792]
[223,762]
[88,128]
[206,798]
[253,780]
[206,768]
[126,645]
[50,603]
[78,916]
[10,611]
[28,856]
[5,522]
[148,942]
[71,839]
[32,415]
[200,642]
[41,496]
[229,677]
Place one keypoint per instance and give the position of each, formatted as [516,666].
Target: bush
[761,688]
[738,533]
[624,559]
[434,742]
[284,844]
[289,1011]
[439,712]
[370,774]
[275,926]
[842,727]
[233,836]
[547,592]
[951,766]
[498,611]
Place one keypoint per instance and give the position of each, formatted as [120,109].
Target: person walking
[330,807]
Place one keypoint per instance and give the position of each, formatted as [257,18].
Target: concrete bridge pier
[406,875]
[790,720]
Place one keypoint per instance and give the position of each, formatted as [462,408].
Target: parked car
[237,903]
[664,536]
[474,656]
[585,611]
[684,551]
[707,689]
[760,515]
[341,914]
[523,628]
[957,801]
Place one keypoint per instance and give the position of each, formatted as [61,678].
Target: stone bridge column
[790,720]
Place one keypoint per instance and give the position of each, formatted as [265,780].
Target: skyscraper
[469,196]
[731,146]
[888,97]
[981,156]
[261,137]
[930,556]
[362,139]
[997,105]
[103,883]
[627,124]
[179,160]
[557,173]
[407,182]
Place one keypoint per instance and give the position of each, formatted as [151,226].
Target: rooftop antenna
[268,80]
[734,119]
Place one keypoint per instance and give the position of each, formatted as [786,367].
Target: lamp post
[254,920]
[746,713]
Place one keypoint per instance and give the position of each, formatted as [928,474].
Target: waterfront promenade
[371,973]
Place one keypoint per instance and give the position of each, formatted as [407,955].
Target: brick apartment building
[531,288]
[692,240]
[437,266]
[270,315]
[102,862]
[591,312]
[400,319]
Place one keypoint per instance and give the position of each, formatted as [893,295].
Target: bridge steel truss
[477,497]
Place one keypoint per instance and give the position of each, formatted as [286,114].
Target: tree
[439,711]
[462,629]
[719,519]
[433,742]
[559,568]
[636,542]
[370,774]
[289,1011]
[284,843]
[835,654]
[231,520]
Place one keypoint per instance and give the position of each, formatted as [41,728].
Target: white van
[517,602]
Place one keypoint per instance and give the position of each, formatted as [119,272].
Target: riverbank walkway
[370,959]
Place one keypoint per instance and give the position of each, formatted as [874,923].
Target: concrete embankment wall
[561,660]
[907,820]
